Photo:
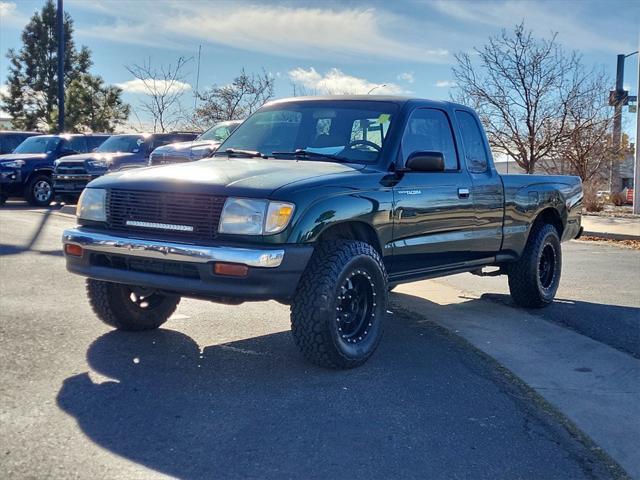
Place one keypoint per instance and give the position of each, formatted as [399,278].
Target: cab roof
[397,99]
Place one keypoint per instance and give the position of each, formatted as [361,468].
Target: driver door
[433,211]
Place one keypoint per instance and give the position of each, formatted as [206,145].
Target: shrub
[618,199]
[591,201]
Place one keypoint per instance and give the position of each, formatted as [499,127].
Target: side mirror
[426,162]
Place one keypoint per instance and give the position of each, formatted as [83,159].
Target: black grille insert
[199,212]
[134,264]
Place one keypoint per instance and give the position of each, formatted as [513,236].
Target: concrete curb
[611,236]
[591,384]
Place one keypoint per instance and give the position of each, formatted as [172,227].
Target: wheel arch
[352,230]
[550,216]
[39,171]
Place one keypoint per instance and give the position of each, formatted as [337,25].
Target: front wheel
[40,191]
[535,277]
[130,308]
[338,310]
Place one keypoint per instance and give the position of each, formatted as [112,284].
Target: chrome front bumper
[112,244]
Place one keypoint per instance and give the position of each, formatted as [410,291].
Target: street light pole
[636,165]
[60,22]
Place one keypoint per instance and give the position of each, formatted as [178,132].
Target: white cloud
[541,19]
[445,84]
[335,82]
[9,15]
[406,77]
[365,34]
[138,85]
[7,9]
[4,89]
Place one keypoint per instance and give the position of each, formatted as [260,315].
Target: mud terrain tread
[522,274]
[107,303]
[314,296]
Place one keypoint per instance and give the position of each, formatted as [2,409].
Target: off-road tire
[525,284]
[113,304]
[30,192]
[320,294]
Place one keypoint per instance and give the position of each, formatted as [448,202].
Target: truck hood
[252,177]
[184,151]
[183,146]
[83,157]
[22,156]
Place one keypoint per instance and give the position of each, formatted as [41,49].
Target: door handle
[463,193]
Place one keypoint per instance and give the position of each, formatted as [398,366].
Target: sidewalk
[617,228]
[594,386]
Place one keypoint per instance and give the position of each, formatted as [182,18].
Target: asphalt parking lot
[222,392]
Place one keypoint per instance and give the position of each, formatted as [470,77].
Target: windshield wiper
[236,152]
[301,153]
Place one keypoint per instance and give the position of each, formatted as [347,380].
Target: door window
[429,130]
[474,147]
[77,144]
[95,142]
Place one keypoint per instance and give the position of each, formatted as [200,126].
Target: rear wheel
[130,308]
[338,310]
[40,190]
[534,279]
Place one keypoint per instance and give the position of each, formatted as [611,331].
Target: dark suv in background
[27,171]
[120,152]
[201,147]
[9,140]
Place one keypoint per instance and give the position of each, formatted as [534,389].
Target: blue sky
[349,45]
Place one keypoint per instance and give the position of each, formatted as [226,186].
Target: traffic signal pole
[636,165]
[60,25]
[616,99]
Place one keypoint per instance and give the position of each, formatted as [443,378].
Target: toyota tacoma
[325,204]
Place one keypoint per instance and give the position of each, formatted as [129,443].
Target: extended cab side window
[95,142]
[474,148]
[76,144]
[429,130]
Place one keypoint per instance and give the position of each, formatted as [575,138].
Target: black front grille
[71,169]
[180,210]
[133,264]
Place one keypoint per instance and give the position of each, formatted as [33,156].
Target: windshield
[351,131]
[219,132]
[122,143]
[38,145]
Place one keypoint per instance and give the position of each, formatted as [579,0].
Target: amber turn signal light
[73,250]
[231,269]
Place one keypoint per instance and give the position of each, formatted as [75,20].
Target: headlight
[13,164]
[245,216]
[98,163]
[91,205]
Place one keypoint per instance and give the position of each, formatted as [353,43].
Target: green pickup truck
[325,204]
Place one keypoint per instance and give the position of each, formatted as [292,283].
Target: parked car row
[120,152]
[41,167]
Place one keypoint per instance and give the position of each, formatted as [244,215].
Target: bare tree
[586,149]
[235,101]
[164,87]
[522,88]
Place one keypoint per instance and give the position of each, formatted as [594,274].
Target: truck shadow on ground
[423,406]
[6,249]
[615,325]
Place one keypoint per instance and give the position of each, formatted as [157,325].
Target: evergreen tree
[32,97]
[93,106]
